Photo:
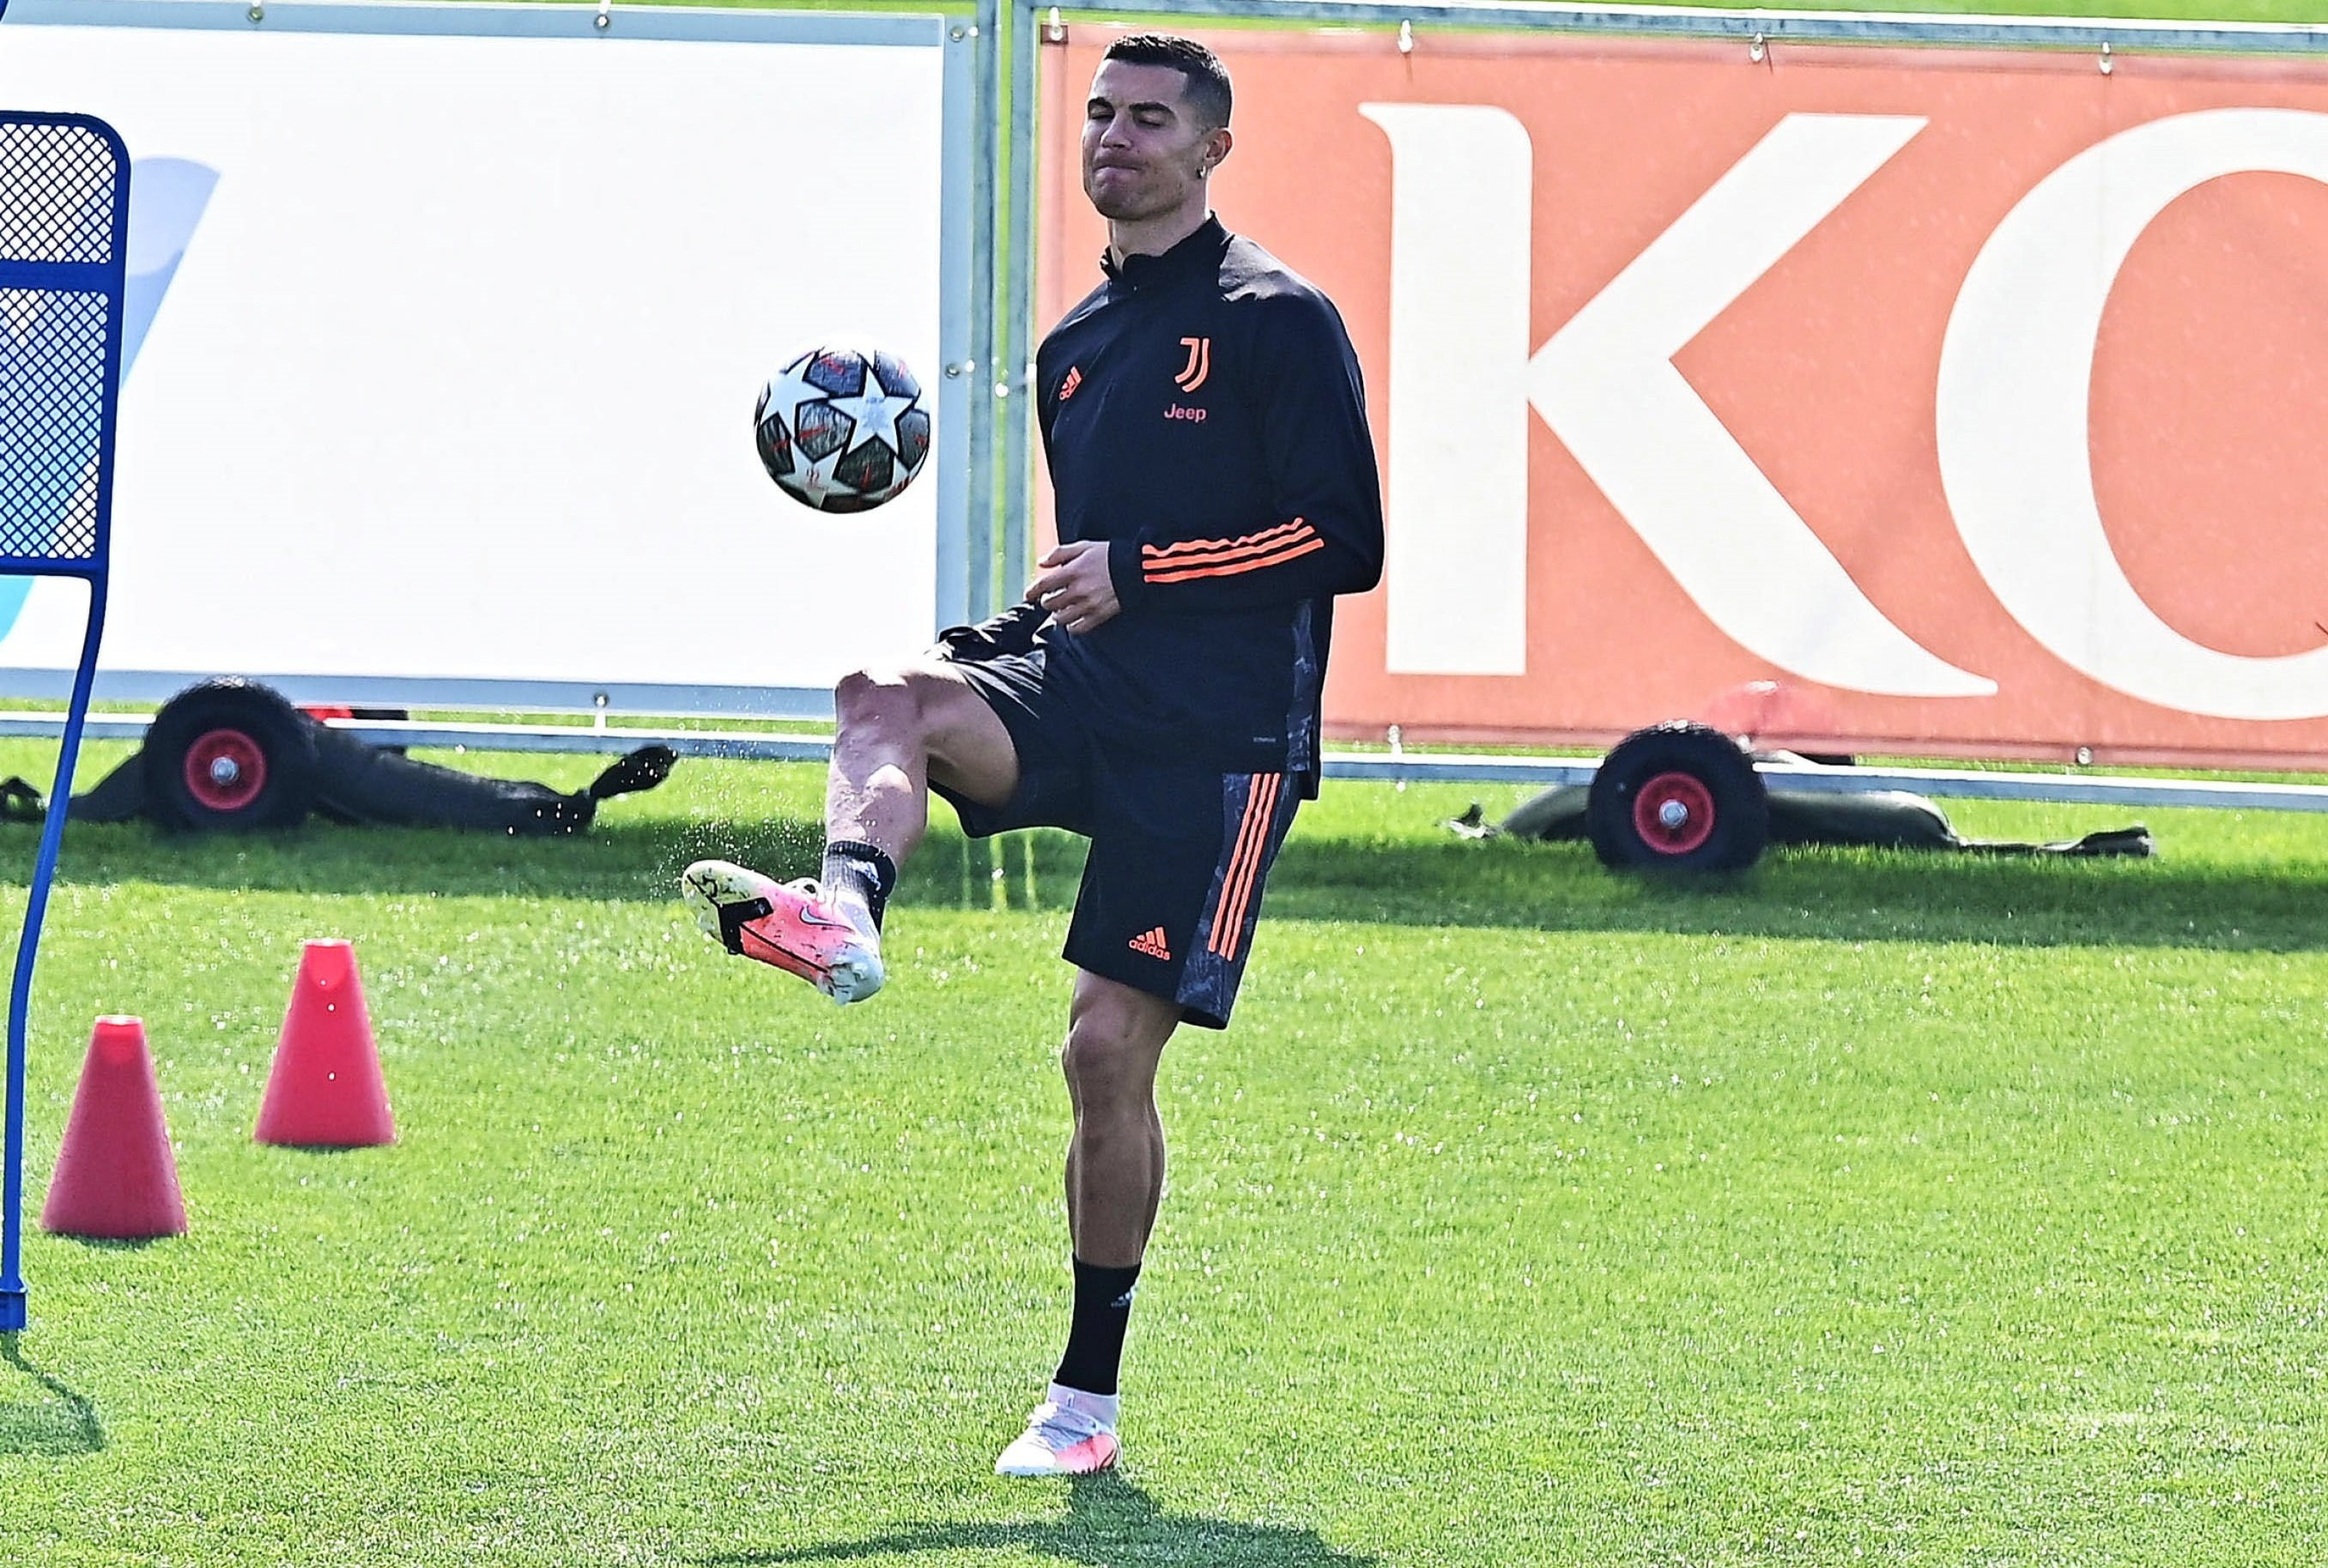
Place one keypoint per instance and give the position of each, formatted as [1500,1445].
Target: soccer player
[1158,691]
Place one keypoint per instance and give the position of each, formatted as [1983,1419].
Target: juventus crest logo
[1200,364]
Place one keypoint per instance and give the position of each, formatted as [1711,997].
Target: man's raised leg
[892,731]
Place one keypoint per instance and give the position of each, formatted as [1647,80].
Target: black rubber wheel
[227,757]
[1678,796]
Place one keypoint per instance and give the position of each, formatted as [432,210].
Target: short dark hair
[1206,78]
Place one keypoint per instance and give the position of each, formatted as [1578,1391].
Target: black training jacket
[1203,412]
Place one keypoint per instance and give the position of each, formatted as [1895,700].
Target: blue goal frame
[64,240]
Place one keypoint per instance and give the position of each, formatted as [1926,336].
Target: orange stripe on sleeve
[1228,553]
[1182,573]
[1246,541]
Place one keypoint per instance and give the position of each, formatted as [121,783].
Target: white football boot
[1071,1433]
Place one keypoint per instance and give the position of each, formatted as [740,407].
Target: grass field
[1864,1208]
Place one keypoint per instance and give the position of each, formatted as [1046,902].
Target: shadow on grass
[62,1424]
[1109,1521]
[1837,894]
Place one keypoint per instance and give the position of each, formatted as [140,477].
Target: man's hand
[1075,585]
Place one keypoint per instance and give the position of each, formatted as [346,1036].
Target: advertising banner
[1948,402]
[443,347]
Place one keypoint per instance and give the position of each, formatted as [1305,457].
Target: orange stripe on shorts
[1253,848]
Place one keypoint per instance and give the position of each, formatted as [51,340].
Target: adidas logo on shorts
[1151,942]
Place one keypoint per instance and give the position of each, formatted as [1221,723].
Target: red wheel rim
[225,770]
[1673,813]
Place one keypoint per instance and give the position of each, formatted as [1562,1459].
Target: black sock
[1095,1340]
[863,870]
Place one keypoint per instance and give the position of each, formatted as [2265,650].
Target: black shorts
[1172,886]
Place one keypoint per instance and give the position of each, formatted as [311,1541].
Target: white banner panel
[449,350]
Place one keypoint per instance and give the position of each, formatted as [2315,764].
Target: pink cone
[116,1177]
[325,1086]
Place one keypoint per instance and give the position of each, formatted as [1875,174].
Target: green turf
[1865,1207]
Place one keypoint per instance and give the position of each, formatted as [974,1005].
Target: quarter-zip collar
[1199,255]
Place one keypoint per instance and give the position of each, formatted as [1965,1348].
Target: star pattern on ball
[873,412]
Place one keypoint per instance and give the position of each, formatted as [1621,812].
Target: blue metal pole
[12,1316]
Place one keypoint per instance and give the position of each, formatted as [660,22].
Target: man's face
[1144,154]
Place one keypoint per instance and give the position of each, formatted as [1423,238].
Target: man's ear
[1216,149]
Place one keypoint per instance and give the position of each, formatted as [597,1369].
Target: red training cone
[116,1177]
[325,1088]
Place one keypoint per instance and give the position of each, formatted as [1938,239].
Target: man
[1158,691]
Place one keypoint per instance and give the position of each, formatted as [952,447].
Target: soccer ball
[842,430]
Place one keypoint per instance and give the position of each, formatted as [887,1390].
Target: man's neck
[1154,236]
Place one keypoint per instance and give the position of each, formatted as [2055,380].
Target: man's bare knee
[921,705]
[931,710]
[1115,1039]
[1107,1080]
[877,694]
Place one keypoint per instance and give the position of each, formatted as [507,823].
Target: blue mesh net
[59,188]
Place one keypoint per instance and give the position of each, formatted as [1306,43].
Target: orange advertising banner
[1953,402]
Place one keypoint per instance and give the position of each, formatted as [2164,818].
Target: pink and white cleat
[1071,1433]
[790,925]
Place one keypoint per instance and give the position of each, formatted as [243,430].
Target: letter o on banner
[2016,368]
